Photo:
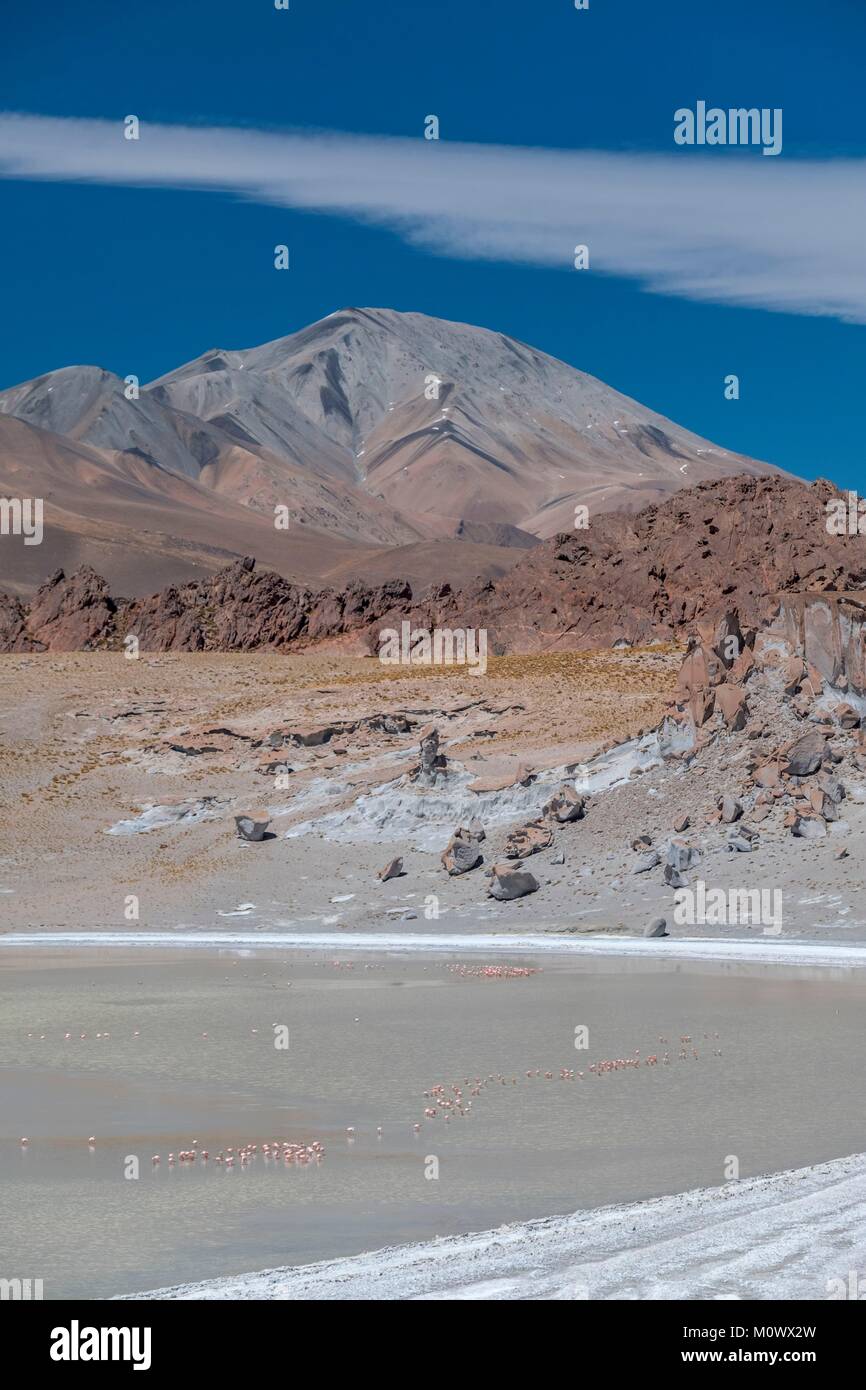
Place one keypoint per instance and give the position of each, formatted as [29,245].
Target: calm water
[364,1044]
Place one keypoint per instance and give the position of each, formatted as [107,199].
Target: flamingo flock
[493,972]
[447,1102]
[274,1151]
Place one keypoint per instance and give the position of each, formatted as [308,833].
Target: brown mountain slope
[144,527]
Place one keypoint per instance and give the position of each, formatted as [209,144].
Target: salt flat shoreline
[785,1235]
[760,952]
[791,1235]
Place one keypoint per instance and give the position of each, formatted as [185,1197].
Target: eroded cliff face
[829,631]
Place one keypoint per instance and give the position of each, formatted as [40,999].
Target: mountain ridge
[371,428]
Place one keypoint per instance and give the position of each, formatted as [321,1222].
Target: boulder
[460,854]
[734,707]
[767,775]
[809,827]
[681,856]
[432,761]
[832,786]
[393,869]
[507,882]
[806,754]
[656,928]
[793,673]
[730,808]
[528,839]
[251,825]
[646,862]
[742,667]
[565,805]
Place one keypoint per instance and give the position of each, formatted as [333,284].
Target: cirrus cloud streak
[784,235]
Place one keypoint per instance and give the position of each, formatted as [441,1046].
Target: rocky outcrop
[744,546]
[827,631]
[72,614]
[730,546]
[432,761]
[238,609]
[14,636]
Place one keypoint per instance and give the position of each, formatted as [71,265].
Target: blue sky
[702,263]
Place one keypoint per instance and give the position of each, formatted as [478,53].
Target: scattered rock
[509,882]
[565,805]
[647,862]
[734,706]
[529,839]
[739,842]
[461,854]
[251,825]
[809,827]
[730,808]
[767,775]
[393,869]
[806,755]
[656,928]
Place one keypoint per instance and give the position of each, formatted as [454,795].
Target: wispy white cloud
[777,234]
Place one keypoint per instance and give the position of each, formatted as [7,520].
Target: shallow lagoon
[368,1035]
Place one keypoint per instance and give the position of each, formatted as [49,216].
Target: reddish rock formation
[742,544]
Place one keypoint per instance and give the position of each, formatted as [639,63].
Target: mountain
[514,436]
[738,543]
[454,447]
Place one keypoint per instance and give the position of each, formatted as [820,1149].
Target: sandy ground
[87,739]
[792,1235]
[89,742]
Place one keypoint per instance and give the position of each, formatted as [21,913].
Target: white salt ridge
[765,951]
[425,816]
[790,1235]
[156,817]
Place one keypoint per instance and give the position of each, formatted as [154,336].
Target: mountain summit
[377,430]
